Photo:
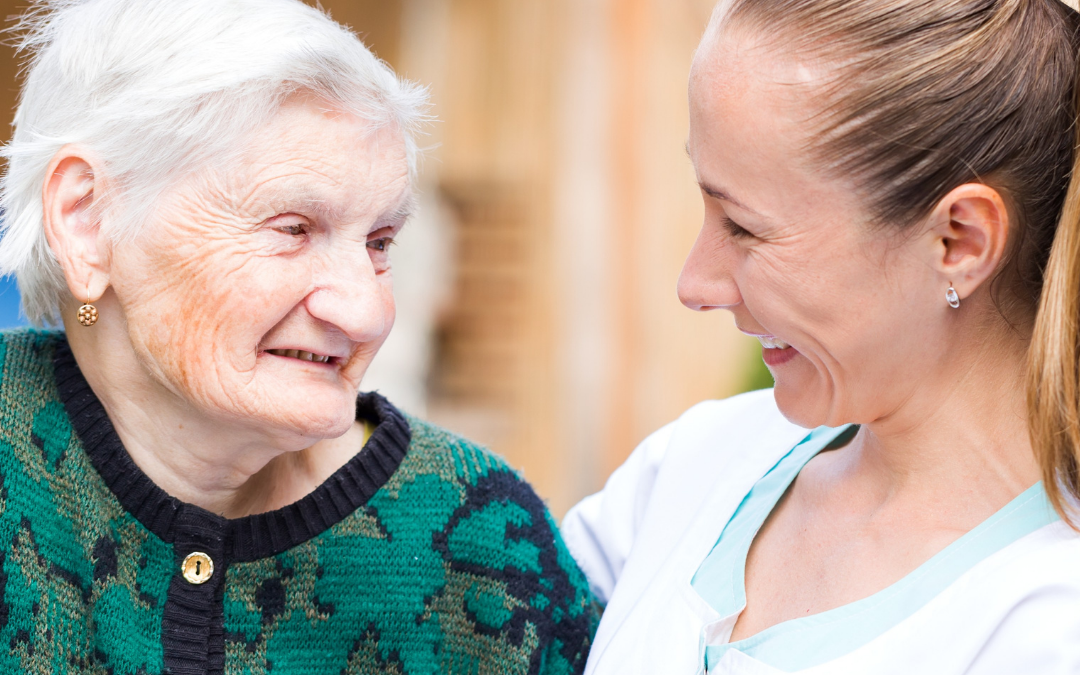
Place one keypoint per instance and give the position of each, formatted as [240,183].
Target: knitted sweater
[423,554]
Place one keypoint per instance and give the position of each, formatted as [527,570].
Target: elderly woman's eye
[382,244]
[294,230]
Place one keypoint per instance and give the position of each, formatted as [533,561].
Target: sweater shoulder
[435,449]
[476,491]
[26,355]
[31,412]
[30,338]
[494,533]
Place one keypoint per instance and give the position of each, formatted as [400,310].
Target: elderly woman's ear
[72,219]
[968,232]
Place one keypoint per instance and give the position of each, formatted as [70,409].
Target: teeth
[772,343]
[300,354]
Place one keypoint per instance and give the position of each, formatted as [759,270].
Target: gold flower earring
[88,313]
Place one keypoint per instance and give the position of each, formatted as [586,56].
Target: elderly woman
[883,184]
[205,192]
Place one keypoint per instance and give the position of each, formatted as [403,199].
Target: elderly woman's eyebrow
[398,215]
[301,201]
[311,203]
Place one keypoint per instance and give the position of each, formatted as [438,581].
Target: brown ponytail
[1054,359]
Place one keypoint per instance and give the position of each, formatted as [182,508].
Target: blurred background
[537,310]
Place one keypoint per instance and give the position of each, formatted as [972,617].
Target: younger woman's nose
[706,282]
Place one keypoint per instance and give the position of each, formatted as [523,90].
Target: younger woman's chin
[799,406]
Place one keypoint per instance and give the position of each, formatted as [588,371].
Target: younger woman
[884,183]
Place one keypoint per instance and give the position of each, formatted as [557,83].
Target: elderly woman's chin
[290,397]
[312,400]
[305,409]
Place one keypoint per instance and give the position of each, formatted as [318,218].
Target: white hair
[155,89]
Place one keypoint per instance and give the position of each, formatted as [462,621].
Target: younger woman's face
[851,318]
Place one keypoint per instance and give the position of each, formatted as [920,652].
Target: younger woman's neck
[966,432]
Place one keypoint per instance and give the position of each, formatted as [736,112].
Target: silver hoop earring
[952,298]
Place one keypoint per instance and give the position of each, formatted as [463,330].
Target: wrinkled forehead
[306,130]
[328,162]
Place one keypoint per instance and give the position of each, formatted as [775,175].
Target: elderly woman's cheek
[202,322]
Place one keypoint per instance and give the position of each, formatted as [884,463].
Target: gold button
[197,568]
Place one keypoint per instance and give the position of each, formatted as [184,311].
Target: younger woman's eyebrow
[717,193]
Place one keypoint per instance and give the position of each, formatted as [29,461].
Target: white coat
[641,539]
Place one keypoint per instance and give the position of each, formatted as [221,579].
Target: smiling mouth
[769,342]
[300,354]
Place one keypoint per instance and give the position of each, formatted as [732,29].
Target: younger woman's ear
[970,231]
[72,224]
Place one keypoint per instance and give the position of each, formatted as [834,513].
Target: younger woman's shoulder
[680,462]
[720,431]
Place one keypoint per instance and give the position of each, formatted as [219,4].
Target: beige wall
[558,162]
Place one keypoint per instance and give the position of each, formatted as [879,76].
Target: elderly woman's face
[789,251]
[261,292]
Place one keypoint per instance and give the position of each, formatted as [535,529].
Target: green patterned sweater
[423,554]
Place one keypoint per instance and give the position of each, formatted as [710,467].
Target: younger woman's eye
[734,229]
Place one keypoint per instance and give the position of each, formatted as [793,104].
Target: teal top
[819,638]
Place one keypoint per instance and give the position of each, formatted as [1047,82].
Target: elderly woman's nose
[706,282]
[354,299]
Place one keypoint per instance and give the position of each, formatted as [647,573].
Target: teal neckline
[813,640]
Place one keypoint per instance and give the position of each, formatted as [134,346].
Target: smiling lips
[770,342]
[300,354]
[774,351]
